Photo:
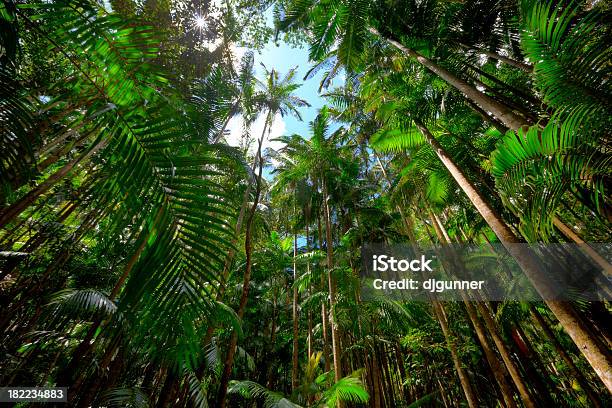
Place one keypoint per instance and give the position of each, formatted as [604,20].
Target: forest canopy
[162,246]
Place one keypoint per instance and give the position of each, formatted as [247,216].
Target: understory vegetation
[146,262]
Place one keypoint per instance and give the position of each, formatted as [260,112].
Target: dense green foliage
[145,262]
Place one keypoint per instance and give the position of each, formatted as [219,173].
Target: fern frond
[347,389]
[534,169]
[396,140]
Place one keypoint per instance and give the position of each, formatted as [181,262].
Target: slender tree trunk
[248,247]
[572,236]
[18,207]
[376,381]
[493,362]
[324,315]
[498,96]
[505,354]
[406,220]
[229,258]
[540,382]
[399,357]
[309,342]
[595,352]
[502,112]
[441,317]
[576,373]
[230,115]
[501,128]
[294,366]
[270,371]
[332,285]
[168,391]
[496,367]
[386,377]
[463,377]
[529,98]
[517,64]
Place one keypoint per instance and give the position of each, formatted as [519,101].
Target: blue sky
[283,57]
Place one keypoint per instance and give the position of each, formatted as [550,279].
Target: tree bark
[480,332]
[248,247]
[324,315]
[18,207]
[505,354]
[517,64]
[332,285]
[502,112]
[463,377]
[577,374]
[572,236]
[496,367]
[294,366]
[595,352]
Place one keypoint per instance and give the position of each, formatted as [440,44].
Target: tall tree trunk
[505,354]
[595,352]
[572,236]
[376,381]
[494,363]
[517,64]
[540,382]
[294,366]
[502,112]
[248,247]
[402,371]
[230,257]
[270,370]
[168,391]
[444,239]
[309,294]
[496,367]
[18,207]
[238,227]
[324,315]
[576,373]
[463,377]
[332,285]
[230,115]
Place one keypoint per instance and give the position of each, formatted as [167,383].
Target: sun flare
[199,22]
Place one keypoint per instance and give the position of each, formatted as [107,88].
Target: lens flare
[199,22]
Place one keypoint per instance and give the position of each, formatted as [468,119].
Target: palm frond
[347,389]
[84,304]
[252,390]
[126,397]
[571,53]
[534,169]
[396,140]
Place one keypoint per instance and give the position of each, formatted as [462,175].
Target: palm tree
[241,102]
[122,208]
[133,136]
[592,348]
[299,197]
[347,23]
[276,96]
[348,389]
[317,158]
